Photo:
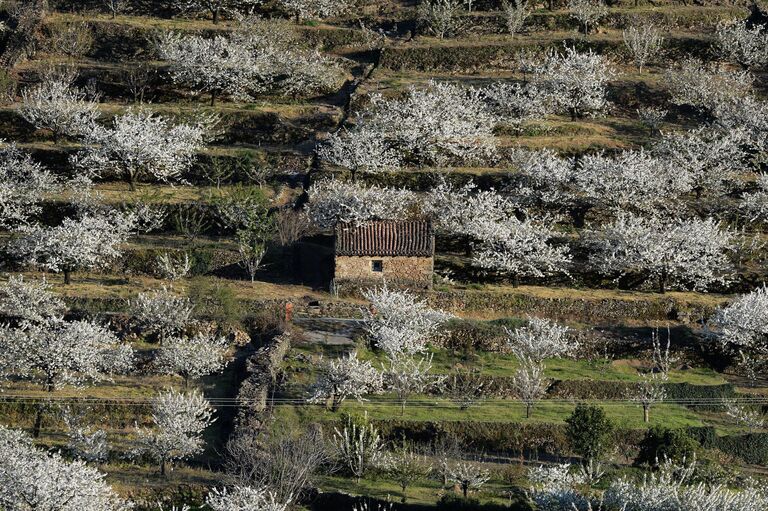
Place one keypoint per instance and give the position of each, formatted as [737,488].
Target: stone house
[398,252]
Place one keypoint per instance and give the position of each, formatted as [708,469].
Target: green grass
[425,408]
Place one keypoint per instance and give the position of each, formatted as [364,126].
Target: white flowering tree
[345,377]
[576,82]
[437,124]
[704,86]
[192,357]
[398,323]
[520,248]
[162,311]
[643,43]
[466,211]
[516,103]
[468,476]
[332,201]
[745,44]
[24,184]
[259,56]
[541,339]
[360,151]
[407,375]
[679,252]
[648,392]
[556,490]
[588,13]
[33,479]
[743,326]
[549,177]
[703,159]
[57,353]
[637,180]
[29,301]
[140,144]
[303,9]
[57,105]
[215,7]
[76,244]
[359,448]
[244,498]
[179,420]
[529,383]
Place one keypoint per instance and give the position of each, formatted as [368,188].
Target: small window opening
[377,265]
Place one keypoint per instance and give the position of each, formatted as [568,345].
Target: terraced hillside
[171,190]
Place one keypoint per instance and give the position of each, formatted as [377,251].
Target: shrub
[662,443]
[589,431]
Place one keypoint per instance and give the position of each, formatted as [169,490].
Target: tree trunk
[215,16]
[528,407]
[402,408]
[551,5]
[663,282]
[465,489]
[515,280]
[67,276]
[38,421]
[213,98]
[162,467]
[646,414]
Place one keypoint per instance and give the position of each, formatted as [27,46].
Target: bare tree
[469,476]
[286,463]
[406,467]
[516,13]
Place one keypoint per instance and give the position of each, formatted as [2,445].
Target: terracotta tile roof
[386,238]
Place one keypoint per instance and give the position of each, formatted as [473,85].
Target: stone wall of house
[415,270]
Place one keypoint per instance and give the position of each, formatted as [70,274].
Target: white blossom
[303,9]
[632,179]
[643,42]
[516,13]
[345,377]
[515,103]
[24,184]
[541,339]
[588,13]
[332,201]
[529,384]
[58,352]
[359,150]
[468,476]
[520,248]
[33,480]
[259,56]
[751,419]
[744,44]
[705,159]
[179,420]
[84,442]
[192,357]
[649,391]
[57,105]
[174,266]
[358,448]
[30,300]
[244,498]
[576,82]
[678,252]
[399,323]
[406,375]
[141,144]
[437,124]
[744,322]
[553,488]
[162,311]
[215,7]
[706,85]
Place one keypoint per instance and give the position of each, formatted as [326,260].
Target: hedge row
[750,447]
